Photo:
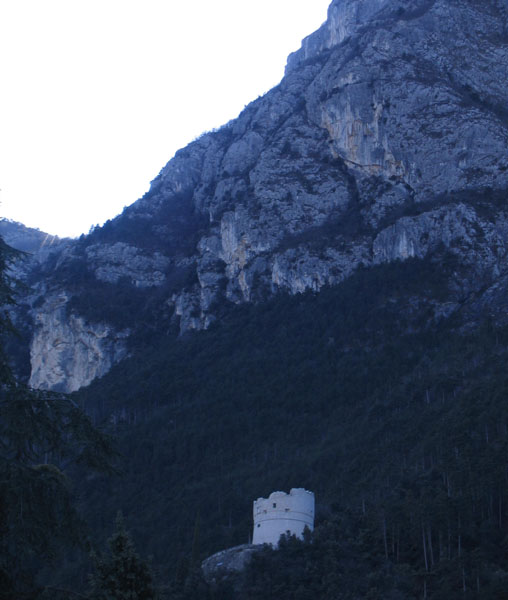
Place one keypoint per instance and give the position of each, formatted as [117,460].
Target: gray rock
[67,352]
[385,140]
[112,262]
[222,564]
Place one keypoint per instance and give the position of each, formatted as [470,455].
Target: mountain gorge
[312,295]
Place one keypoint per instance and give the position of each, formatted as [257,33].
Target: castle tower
[282,513]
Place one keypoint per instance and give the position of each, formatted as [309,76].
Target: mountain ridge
[27,239]
[385,140]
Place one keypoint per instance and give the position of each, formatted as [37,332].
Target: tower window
[275,504]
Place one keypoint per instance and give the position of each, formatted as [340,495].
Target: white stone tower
[282,513]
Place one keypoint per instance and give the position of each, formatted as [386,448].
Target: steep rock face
[112,262]
[386,107]
[385,140]
[456,227]
[344,20]
[68,353]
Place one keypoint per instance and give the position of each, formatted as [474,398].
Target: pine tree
[123,575]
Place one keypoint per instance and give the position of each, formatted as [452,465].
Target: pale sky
[97,95]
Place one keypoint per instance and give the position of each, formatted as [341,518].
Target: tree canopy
[122,575]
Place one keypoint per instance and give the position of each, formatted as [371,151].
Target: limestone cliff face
[67,352]
[386,139]
[112,262]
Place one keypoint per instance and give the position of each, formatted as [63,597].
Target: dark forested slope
[397,421]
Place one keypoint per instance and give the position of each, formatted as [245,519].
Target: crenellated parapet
[282,513]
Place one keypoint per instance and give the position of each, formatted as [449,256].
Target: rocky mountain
[385,140]
[312,296]
[28,239]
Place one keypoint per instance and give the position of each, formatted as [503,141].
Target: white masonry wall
[282,513]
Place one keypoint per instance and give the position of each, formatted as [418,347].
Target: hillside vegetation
[395,420]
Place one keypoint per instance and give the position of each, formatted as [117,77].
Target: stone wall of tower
[282,513]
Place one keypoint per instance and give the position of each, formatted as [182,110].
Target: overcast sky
[97,95]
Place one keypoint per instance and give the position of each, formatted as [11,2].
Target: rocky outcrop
[224,564]
[67,352]
[377,113]
[457,227]
[385,140]
[344,20]
[112,262]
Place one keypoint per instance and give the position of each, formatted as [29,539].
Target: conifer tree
[122,575]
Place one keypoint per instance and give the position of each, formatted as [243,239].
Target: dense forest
[392,413]
[395,418]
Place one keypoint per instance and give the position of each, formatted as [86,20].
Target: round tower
[282,513]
